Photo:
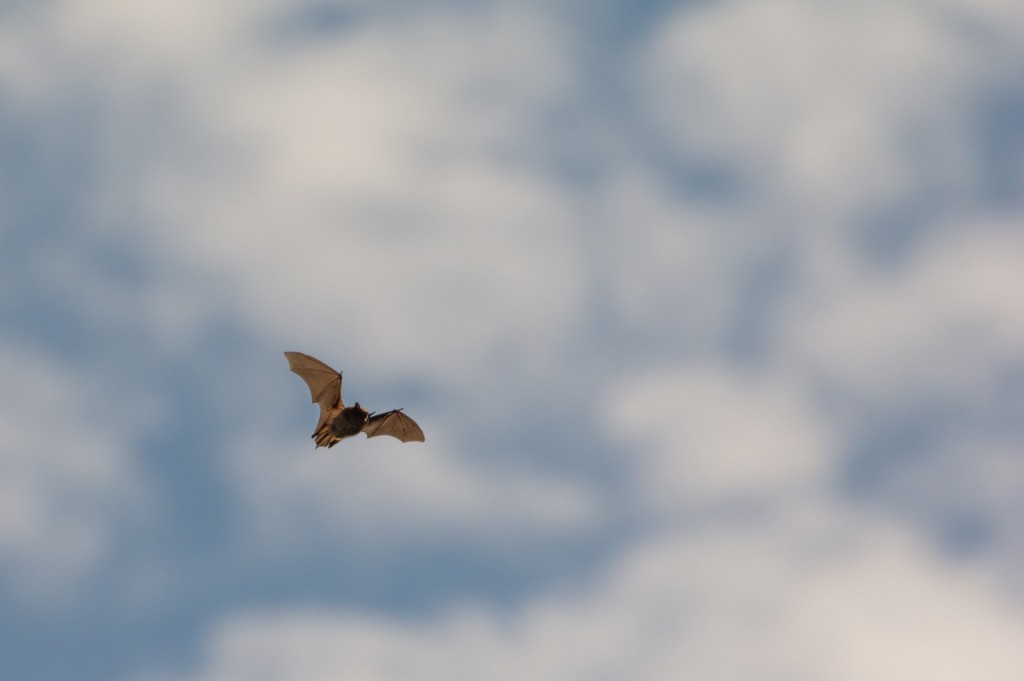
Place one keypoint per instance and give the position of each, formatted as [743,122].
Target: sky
[710,312]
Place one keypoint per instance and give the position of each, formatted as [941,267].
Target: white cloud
[672,268]
[946,324]
[828,108]
[383,494]
[359,189]
[375,191]
[373,187]
[65,474]
[734,604]
[704,435]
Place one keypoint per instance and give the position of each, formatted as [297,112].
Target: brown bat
[338,421]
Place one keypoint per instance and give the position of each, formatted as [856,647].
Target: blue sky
[709,311]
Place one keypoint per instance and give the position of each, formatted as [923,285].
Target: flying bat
[337,421]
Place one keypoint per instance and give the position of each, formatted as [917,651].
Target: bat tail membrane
[324,438]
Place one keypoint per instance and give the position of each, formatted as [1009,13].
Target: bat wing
[396,424]
[323,381]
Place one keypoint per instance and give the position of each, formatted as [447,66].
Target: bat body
[337,421]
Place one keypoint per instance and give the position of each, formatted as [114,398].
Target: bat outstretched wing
[396,424]
[323,381]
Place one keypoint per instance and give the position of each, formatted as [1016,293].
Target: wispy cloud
[721,436]
[734,604]
[711,314]
[68,475]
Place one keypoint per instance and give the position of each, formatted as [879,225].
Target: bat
[337,421]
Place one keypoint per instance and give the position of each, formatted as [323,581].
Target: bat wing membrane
[324,382]
[396,424]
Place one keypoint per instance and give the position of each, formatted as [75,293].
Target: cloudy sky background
[710,312]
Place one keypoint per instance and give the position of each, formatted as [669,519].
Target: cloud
[383,194]
[671,269]
[368,189]
[375,188]
[705,435]
[828,111]
[945,324]
[432,495]
[66,475]
[736,604]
